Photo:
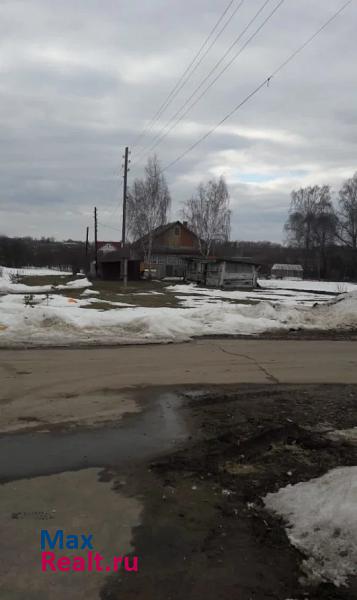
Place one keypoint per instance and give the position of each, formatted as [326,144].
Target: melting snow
[53,318]
[321,522]
[336,287]
[61,318]
[7,286]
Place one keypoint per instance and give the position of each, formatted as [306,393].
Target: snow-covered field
[8,283]
[321,522]
[193,295]
[53,318]
[337,287]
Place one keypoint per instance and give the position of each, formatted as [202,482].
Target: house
[224,273]
[279,271]
[171,245]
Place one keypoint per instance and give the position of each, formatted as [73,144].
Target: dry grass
[137,293]
[36,280]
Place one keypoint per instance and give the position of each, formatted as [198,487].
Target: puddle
[157,429]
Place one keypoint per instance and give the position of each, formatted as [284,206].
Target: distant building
[224,273]
[287,272]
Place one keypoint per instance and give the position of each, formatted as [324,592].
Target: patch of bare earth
[204,531]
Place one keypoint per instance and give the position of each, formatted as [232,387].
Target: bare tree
[208,214]
[312,223]
[148,205]
[348,213]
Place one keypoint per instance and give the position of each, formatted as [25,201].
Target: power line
[260,86]
[186,75]
[169,98]
[162,135]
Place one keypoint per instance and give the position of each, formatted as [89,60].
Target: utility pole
[125,187]
[96,241]
[87,241]
[86,264]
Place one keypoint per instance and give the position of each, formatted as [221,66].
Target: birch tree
[147,206]
[208,215]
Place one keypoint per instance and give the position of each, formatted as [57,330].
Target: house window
[177,230]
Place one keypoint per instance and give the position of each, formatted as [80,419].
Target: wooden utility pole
[87,241]
[86,261]
[96,241]
[125,187]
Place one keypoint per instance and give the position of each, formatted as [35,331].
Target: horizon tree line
[315,225]
[320,234]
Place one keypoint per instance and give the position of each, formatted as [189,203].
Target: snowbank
[321,523]
[76,284]
[66,322]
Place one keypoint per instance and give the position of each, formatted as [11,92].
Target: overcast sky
[80,79]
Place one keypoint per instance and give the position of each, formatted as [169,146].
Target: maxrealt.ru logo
[90,561]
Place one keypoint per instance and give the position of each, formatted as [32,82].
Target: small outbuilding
[111,265]
[287,272]
[224,273]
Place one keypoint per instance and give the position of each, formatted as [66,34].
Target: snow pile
[321,523]
[76,284]
[63,320]
[90,293]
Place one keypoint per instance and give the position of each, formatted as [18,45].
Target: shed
[280,271]
[111,265]
[224,273]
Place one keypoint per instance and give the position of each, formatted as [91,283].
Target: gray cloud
[81,78]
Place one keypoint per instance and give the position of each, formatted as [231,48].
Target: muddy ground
[204,532]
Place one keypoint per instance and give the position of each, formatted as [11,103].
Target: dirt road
[201,361]
[81,386]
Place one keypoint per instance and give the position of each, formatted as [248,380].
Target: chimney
[184,223]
